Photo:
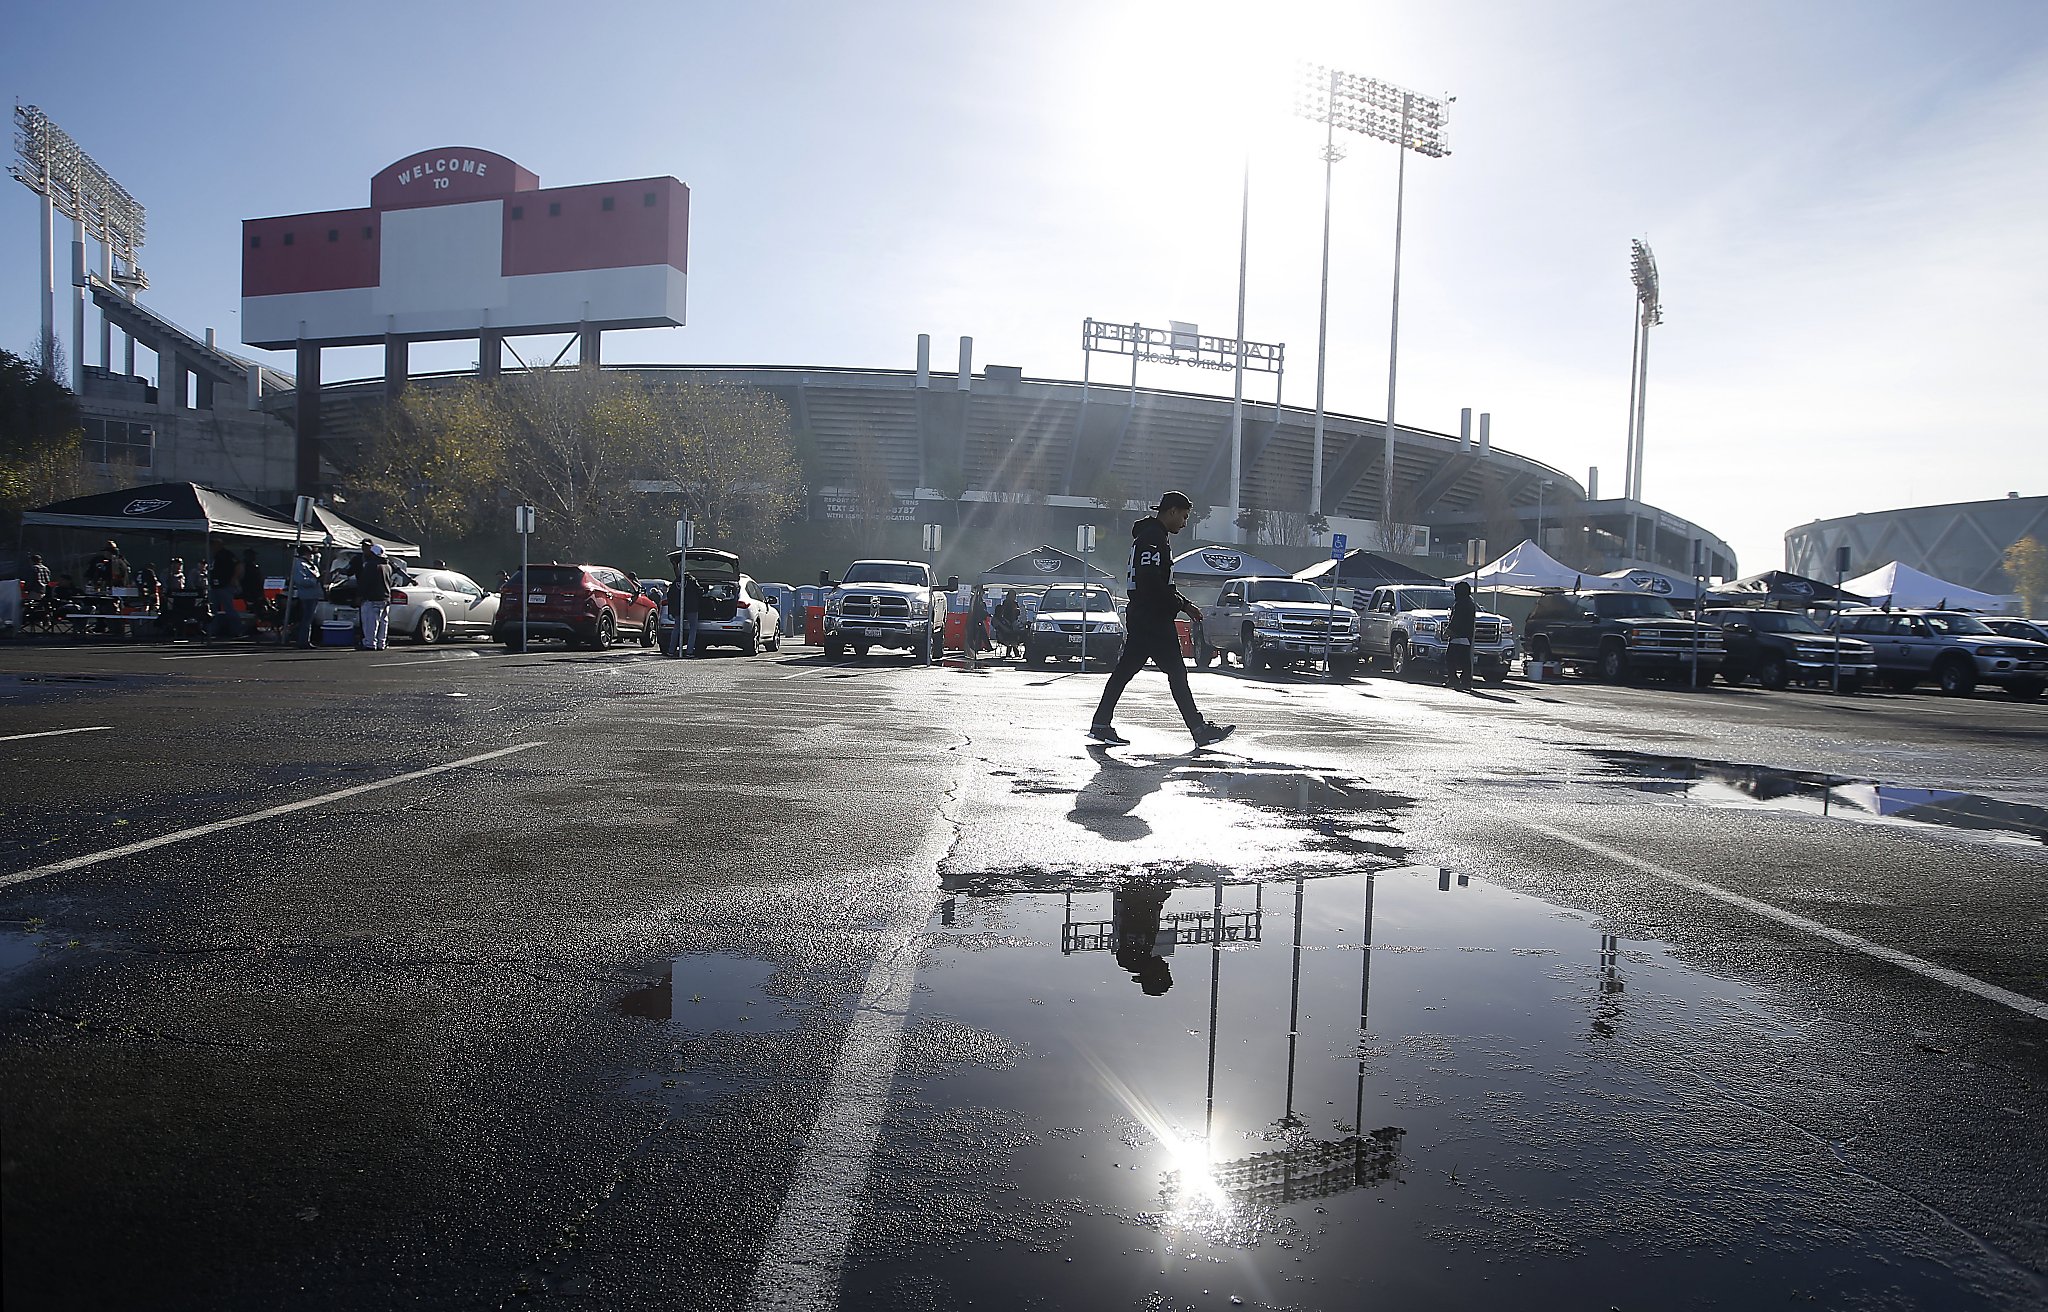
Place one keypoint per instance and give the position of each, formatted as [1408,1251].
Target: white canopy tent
[1652,583]
[1527,566]
[1900,586]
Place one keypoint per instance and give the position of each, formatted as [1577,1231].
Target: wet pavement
[601,980]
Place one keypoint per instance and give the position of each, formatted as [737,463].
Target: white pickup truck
[1404,626]
[886,603]
[1278,622]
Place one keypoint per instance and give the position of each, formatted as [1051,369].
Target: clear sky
[1848,202]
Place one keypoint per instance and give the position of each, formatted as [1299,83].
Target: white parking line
[1927,969]
[802,1266]
[130,849]
[55,733]
[218,655]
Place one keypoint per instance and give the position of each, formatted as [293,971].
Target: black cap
[1172,499]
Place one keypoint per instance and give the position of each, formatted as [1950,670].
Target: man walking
[1149,628]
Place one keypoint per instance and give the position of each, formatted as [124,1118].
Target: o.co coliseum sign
[451,173]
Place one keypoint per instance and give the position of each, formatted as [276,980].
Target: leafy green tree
[41,441]
[2026,564]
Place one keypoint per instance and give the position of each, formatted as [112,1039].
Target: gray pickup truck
[1404,626]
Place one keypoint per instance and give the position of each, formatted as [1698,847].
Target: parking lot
[452,975]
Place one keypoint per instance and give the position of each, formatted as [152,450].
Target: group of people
[989,629]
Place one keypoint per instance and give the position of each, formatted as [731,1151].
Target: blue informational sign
[1338,542]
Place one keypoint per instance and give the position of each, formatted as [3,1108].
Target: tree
[42,441]
[437,463]
[730,455]
[2026,564]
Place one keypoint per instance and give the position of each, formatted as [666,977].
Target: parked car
[735,611]
[2013,627]
[590,604]
[1781,647]
[1278,622]
[427,605]
[1404,626]
[1619,635]
[1956,650]
[1072,620]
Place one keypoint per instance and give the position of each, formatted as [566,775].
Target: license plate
[537,598]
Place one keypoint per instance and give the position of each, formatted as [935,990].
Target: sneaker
[1102,733]
[1211,734]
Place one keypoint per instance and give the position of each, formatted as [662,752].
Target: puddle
[1756,787]
[716,993]
[19,948]
[1408,1088]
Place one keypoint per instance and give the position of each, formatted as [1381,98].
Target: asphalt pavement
[450,977]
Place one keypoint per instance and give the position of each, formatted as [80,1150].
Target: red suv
[590,604]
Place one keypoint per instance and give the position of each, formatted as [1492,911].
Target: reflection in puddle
[1721,784]
[715,992]
[1410,1087]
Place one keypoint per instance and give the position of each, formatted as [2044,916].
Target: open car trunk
[719,573]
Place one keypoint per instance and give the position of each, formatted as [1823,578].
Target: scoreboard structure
[458,243]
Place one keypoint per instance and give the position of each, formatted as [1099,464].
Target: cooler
[337,633]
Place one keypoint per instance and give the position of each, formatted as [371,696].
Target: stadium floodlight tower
[49,163]
[1649,312]
[1410,121]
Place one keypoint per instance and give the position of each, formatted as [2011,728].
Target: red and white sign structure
[458,242]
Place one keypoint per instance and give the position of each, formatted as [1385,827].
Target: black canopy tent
[165,508]
[1043,567]
[1363,571]
[1777,587]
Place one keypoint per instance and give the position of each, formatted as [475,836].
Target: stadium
[458,243]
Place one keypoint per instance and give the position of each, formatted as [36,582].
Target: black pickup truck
[1782,647]
[1618,635]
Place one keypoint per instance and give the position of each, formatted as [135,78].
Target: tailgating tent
[1042,567]
[347,532]
[1363,571]
[1204,564]
[1527,566]
[1777,587]
[166,508]
[1650,582]
[1900,585]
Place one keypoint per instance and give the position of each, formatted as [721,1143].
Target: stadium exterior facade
[940,440]
[1964,542]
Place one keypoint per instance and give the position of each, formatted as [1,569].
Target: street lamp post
[1409,121]
[1650,312]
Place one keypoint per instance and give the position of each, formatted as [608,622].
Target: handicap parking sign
[1338,542]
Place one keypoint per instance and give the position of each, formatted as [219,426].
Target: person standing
[252,588]
[975,640]
[35,580]
[373,597]
[306,593]
[108,570]
[1458,638]
[221,586]
[1149,631]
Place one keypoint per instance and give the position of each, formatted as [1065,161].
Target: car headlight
[1109,626]
[1046,626]
[921,607]
[1507,627]
[832,604]
[1426,626]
